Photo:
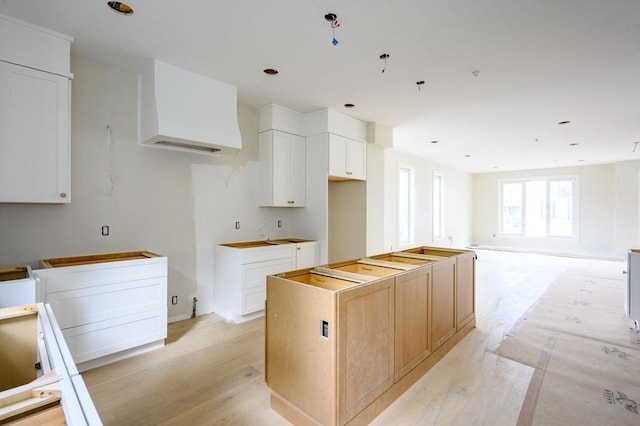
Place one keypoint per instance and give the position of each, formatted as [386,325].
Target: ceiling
[499,75]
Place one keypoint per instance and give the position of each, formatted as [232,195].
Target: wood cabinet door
[443,302]
[412,339]
[365,346]
[465,289]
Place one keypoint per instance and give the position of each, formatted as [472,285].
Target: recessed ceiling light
[349,105]
[270,71]
[121,8]
[564,122]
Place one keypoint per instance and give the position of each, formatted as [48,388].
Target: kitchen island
[344,340]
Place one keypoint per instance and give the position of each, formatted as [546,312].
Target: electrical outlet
[105,230]
[174,300]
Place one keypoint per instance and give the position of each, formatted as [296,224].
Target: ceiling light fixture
[270,71]
[333,18]
[121,8]
[384,57]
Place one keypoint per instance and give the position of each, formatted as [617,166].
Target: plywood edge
[45,416]
[387,264]
[12,273]
[36,395]
[18,311]
[419,256]
[97,258]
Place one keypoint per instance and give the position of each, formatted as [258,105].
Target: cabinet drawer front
[107,337]
[263,254]
[88,305]
[253,300]
[255,275]
[85,276]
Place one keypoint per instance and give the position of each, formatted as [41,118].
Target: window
[405,204]
[539,208]
[438,206]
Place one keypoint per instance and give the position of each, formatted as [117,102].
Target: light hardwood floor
[212,373]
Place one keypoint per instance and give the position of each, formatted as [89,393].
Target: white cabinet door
[338,156]
[347,158]
[356,159]
[307,254]
[34,136]
[283,165]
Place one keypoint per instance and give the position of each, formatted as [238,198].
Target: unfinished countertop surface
[265,243]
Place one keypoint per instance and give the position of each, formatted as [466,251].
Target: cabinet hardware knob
[63,195]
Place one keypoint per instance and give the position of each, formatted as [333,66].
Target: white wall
[457,203]
[173,203]
[347,220]
[627,195]
[596,211]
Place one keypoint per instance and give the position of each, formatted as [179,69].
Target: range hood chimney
[182,110]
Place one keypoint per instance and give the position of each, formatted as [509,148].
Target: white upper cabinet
[347,158]
[283,169]
[34,114]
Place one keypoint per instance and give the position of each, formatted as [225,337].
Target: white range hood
[182,110]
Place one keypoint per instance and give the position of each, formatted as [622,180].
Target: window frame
[410,207]
[438,233]
[575,220]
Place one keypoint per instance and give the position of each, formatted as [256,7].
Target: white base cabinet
[240,283]
[49,391]
[17,286]
[632,292]
[108,305]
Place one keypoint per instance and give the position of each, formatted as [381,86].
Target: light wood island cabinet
[343,341]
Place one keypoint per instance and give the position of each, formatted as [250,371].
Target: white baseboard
[177,318]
